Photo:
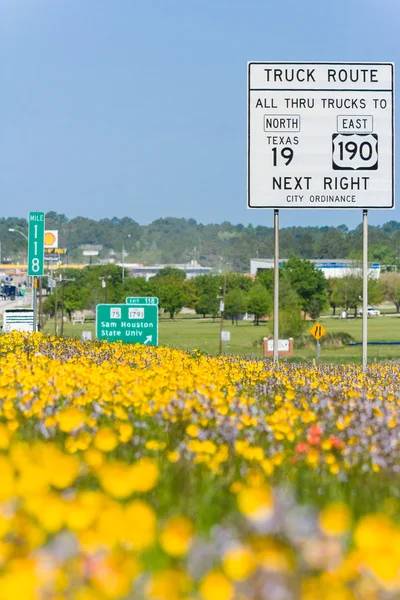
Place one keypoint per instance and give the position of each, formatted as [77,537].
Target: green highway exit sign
[131,324]
[36,244]
[145,300]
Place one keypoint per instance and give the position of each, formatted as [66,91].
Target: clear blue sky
[127,108]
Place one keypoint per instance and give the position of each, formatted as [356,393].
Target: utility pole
[123,259]
[104,285]
[123,262]
[222,316]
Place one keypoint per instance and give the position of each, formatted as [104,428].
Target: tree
[238,281]
[376,291]
[332,294]
[191,296]
[348,292]
[168,272]
[291,323]
[135,286]
[208,290]
[314,309]
[307,281]
[235,304]
[171,296]
[391,286]
[49,305]
[74,299]
[207,304]
[383,254]
[259,302]
[208,284]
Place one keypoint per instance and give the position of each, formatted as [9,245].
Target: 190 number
[354,152]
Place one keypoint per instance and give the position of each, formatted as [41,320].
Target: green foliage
[338,339]
[136,286]
[191,296]
[171,295]
[347,292]
[314,309]
[288,298]
[391,288]
[266,278]
[208,284]
[74,298]
[208,288]
[307,281]
[238,281]
[382,254]
[259,302]
[235,303]
[168,272]
[291,324]
[49,305]
[224,247]
[207,304]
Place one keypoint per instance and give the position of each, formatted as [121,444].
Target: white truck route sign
[320,135]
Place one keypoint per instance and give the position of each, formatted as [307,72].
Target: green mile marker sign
[130,324]
[36,244]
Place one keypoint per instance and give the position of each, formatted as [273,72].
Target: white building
[330,268]
[192,269]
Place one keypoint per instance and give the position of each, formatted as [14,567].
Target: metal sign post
[276,285]
[34,302]
[317,331]
[365,292]
[222,310]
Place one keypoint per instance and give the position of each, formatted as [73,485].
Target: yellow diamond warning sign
[318,331]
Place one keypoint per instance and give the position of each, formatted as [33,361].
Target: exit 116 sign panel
[320,135]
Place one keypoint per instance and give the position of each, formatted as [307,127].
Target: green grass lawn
[246,339]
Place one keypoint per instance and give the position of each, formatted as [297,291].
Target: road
[20,302]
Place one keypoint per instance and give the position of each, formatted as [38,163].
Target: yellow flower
[70,418]
[125,432]
[139,528]
[155,445]
[5,437]
[173,456]
[335,519]
[145,474]
[193,430]
[255,503]
[105,439]
[176,536]
[113,575]
[168,584]
[116,479]
[239,562]
[7,479]
[216,586]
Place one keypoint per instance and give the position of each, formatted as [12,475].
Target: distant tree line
[303,292]
[224,247]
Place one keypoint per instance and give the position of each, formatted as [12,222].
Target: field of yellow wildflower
[139,473]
